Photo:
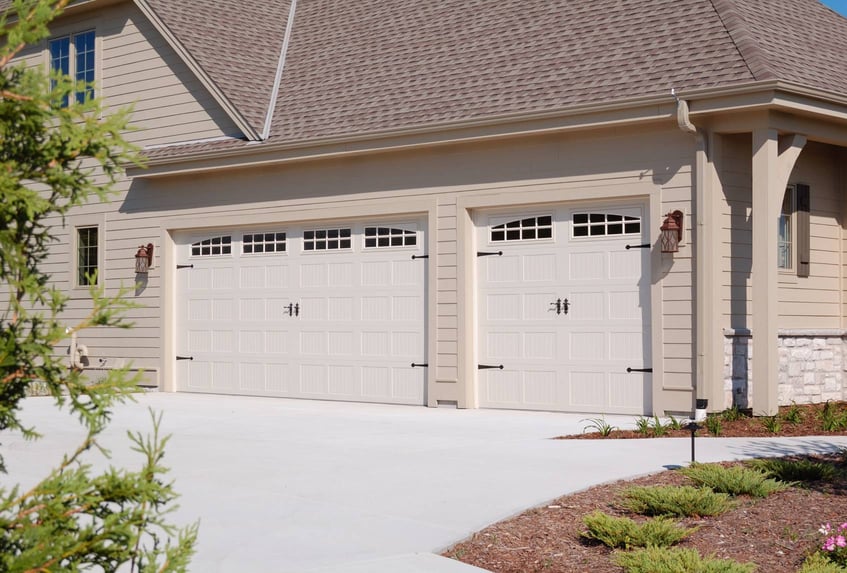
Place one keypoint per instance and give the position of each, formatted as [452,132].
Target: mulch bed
[775,533]
[746,426]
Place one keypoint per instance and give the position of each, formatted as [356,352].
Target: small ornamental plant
[835,543]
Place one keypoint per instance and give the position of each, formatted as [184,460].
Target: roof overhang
[705,105]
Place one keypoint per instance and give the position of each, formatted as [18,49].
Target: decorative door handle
[293,309]
[557,305]
[566,306]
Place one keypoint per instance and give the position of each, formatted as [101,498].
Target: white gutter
[279,69]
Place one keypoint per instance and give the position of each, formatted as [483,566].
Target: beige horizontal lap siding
[804,302]
[139,68]
[677,284]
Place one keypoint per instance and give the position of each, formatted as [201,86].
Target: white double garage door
[324,312]
[339,311]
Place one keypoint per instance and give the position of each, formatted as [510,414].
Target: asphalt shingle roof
[364,66]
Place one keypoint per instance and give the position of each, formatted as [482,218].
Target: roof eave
[739,97]
[198,70]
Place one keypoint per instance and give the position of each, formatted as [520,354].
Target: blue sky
[837,5]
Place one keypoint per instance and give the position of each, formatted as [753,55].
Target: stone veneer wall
[811,366]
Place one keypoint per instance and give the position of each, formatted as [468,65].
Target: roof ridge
[745,41]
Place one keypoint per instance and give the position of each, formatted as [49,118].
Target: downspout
[701,165]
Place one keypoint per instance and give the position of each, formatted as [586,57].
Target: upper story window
[73,56]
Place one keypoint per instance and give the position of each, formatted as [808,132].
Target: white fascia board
[198,71]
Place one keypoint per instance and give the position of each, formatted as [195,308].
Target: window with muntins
[604,225]
[74,56]
[528,229]
[382,237]
[87,255]
[212,247]
[258,243]
[327,239]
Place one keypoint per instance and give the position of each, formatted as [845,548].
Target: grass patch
[734,480]
[794,471]
[679,501]
[663,560]
[622,532]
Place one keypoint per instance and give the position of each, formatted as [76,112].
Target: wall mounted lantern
[671,232]
[144,259]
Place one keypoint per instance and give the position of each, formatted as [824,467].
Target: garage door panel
[338,322]
[565,311]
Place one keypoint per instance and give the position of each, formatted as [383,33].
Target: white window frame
[74,225]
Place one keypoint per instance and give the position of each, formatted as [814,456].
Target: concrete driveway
[299,486]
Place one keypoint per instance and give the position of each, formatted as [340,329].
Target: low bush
[664,560]
[793,415]
[833,419]
[772,424]
[734,480]
[680,501]
[817,563]
[622,532]
[713,424]
[794,471]
[599,425]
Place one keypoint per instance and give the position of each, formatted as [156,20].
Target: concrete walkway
[298,486]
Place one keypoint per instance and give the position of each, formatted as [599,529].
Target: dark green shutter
[804,247]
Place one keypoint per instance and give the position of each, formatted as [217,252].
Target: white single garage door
[565,309]
[331,312]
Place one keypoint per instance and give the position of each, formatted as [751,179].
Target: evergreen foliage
[53,159]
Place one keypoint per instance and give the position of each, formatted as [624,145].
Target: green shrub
[673,423]
[642,425]
[664,560]
[734,481]
[681,501]
[622,532]
[794,415]
[659,429]
[794,471]
[713,424]
[817,563]
[772,424]
[732,414]
[599,425]
[833,419]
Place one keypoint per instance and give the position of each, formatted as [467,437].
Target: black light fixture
[144,259]
[671,232]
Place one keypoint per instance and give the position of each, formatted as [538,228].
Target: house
[460,202]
